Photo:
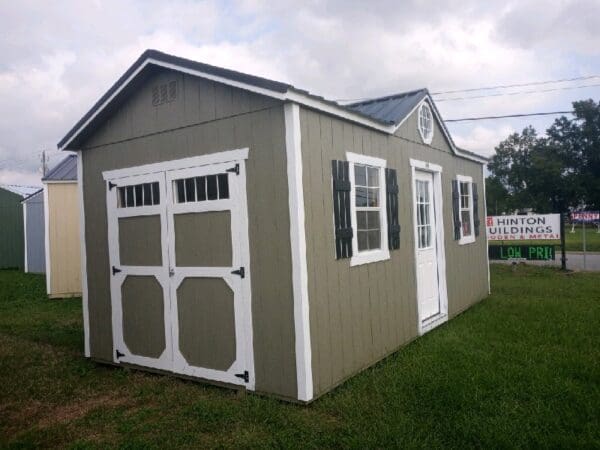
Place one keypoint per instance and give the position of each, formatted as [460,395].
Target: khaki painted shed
[61,230]
[241,231]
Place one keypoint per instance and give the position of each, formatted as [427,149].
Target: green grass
[573,241]
[519,370]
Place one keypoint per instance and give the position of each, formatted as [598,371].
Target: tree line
[554,173]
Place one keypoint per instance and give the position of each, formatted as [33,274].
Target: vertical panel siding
[63,232]
[360,314]
[36,251]
[11,224]
[202,126]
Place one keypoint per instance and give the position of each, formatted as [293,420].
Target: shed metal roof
[392,108]
[66,170]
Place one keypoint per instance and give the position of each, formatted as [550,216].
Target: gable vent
[164,93]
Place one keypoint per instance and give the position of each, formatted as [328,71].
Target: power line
[501,94]
[510,115]
[500,86]
[506,86]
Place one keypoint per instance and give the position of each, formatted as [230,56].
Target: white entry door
[179,262]
[428,287]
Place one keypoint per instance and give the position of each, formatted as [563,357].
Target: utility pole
[44,159]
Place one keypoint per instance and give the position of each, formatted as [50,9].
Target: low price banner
[520,228]
[585,216]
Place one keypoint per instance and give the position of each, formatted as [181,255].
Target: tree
[552,173]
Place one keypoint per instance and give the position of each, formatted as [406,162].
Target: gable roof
[393,108]
[66,170]
[33,196]
[18,189]
[384,114]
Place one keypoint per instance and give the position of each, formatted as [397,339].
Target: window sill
[369,257]
[466,240]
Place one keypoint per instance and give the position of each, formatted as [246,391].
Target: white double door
[179,268]
[427,249]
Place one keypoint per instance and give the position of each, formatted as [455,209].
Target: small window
[465,192]
[199,189]
[132,196]
[367,191]
[368,209]
[425,123]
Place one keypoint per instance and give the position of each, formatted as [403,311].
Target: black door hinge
[241,272]
[115,270]
[235,169]
[244,376]
[119,354]
[111,185]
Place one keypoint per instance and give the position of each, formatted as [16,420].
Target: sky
[59,57]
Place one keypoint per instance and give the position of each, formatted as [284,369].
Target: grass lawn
[521,369]
[573,241]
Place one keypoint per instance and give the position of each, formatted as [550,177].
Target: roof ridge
[388,97]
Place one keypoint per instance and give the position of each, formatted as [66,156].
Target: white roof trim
[290,95]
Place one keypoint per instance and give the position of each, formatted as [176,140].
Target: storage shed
[11,229]
[34,232]
[242,231]
[62,238]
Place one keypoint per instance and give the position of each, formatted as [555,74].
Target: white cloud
[59,58]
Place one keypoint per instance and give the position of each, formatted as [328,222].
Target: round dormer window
[426,123]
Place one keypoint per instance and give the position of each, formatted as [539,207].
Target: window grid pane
[465,208]
[199,189]
[423,209]
[367,202]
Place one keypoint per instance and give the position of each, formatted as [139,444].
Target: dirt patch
[74,411]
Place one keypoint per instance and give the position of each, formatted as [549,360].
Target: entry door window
[423,202]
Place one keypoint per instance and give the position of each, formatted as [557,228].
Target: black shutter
[391,184]
[341,208]
[456,209]
[475,209]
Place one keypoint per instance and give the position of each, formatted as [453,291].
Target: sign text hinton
[517,228]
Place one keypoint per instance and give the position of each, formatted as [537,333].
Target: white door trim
[151,172]
[176,164]
[436,171]
[298,243]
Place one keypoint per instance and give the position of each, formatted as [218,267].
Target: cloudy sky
[59,57]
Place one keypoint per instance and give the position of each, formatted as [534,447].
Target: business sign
[524,252]
[585,216]
[519,228]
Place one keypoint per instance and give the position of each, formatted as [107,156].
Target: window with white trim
[425,124]
[465,192]
[134,196]
[368,207]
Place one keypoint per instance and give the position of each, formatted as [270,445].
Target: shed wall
[64,242]
[360,314]
[11,224]
[206,118]
[34,231]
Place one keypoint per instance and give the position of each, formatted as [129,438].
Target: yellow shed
[62,238]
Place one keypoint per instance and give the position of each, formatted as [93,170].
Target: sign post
[563,251]
[584,217]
